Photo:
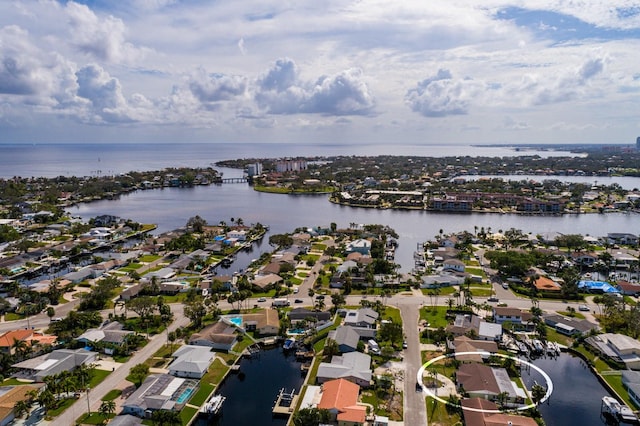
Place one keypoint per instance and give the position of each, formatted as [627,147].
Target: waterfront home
[53,363]
[466,344]
[453,265]
[300,314]
[346,338]
[470,323]
[622,238]
[618,347]
[361,246]
[10,396]
[353,366]
[266,322]
[569,326]
[191,361]
[520,320]
[218,335]
[159,392]
[340,398]
[480,412]
[631,382]
[481,381]
[266,282]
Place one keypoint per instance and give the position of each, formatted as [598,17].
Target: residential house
[631,382]
[584,258]
[546,284]
[361,245]
[346,338]
[111,335]
[352,366]
[480,412]
[218,336]
[10,396]
[300,314]
[441,280]
[265,282]
[569,326]
[266,323]
[158,392]
[33,338]
[618,347]
[520,320]
[53,363]
[340,398]
[622,238]
[482,381]
[453,265]
[463,344]
[628,289]
[363,317]
[191,361]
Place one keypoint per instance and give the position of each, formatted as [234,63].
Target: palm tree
[46,399]
[106,409]
[21,408]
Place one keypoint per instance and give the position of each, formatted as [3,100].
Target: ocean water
[51,160]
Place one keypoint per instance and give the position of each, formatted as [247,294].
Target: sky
[331,71]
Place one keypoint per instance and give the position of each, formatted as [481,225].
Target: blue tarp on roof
[219,238]
[598,286]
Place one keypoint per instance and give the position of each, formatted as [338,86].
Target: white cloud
[216,87]
[442,95]
[280,91]
[102,38]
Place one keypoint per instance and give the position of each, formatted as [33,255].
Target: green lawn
[201,396]
[63,405]
[216,372]
[572,314]
[437,414]
[93,419]
[112,394]
[436,317]
[97,377]
[615,381]
[393,314]
[187,414]
[13,382]
[148,258]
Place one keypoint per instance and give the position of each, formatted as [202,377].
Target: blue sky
[369,71]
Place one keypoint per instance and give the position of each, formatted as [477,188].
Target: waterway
[577,393]
[171,208]
[251,392]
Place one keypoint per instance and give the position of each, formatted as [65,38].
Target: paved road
[414,402]
[114,379]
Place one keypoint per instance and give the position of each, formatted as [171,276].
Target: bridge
[233,180]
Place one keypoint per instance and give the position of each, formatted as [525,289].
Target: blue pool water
[296,331]
[236,321]
[185,395]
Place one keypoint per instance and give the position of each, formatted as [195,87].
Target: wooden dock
[285,403]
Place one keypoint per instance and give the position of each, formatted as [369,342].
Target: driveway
[414,402]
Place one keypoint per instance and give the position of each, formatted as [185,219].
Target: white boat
[289,344]
[538,347]
[617,410]
[213,406]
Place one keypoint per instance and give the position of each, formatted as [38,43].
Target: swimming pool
[296,331]
[185,395]
[237,321]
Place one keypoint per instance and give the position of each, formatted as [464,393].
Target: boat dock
[285,403]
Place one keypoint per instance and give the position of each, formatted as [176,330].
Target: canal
[252,391]
[577,393]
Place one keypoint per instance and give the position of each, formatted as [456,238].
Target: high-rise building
[638,143]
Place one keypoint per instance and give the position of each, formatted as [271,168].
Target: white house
[191,361]
[453,265]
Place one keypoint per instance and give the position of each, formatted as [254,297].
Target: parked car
[493,299]
[404,345]
[262,299]
[583,308]
[298,301]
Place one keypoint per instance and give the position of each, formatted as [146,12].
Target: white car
[583,308]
